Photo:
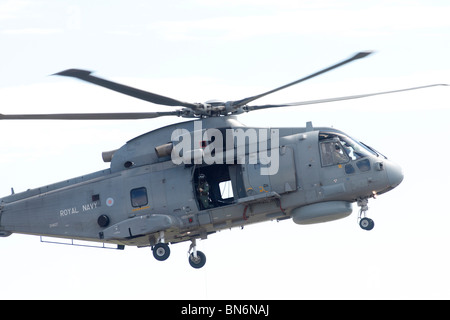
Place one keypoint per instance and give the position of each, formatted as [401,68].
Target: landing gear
[197,262]
[197,259]
[364,222]
[161,250]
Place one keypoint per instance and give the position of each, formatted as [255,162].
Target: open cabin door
[217,185]
[224,184]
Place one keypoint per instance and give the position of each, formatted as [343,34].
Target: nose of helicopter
[394,174]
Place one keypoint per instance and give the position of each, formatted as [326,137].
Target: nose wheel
[364,222]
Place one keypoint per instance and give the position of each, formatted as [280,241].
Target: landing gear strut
[364,222]
[197,259]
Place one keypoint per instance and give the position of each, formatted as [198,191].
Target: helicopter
[186,181]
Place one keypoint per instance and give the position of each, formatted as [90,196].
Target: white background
[200,50]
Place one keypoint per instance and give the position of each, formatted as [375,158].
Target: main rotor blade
[89,116]
[130,91]
[302,103]
[245,101]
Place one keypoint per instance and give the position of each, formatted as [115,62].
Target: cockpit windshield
[338,148]
[372,149]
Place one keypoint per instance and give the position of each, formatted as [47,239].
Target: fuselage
[153,184]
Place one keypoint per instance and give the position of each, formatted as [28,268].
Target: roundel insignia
[110,202]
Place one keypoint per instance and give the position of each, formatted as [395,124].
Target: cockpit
[339,149]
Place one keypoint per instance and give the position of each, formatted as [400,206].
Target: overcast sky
[200,50]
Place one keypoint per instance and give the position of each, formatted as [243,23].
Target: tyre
[161,251]
[366,224]
[198,262]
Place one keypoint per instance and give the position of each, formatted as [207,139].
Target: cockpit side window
[332,153]
[338,148]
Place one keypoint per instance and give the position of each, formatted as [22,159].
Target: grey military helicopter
[191,179]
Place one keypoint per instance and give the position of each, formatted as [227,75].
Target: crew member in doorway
[203,191]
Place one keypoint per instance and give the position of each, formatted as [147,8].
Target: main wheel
[366,224]
[198,262]
[161,251]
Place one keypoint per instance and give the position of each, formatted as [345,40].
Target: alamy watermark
[227,146]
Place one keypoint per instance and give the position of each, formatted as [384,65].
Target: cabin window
[139,197]
[226,189]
